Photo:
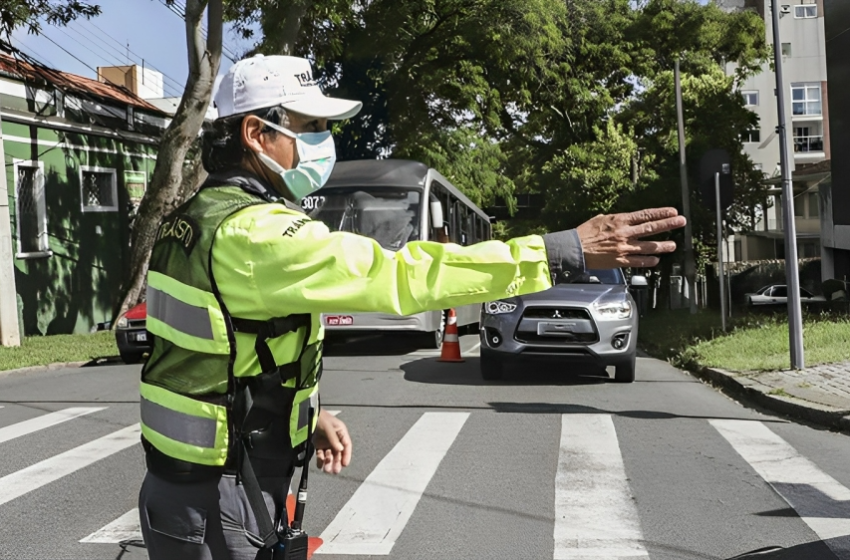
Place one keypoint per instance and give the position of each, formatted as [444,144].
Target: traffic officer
[237,280]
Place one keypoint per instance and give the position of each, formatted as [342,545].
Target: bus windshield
[389,215]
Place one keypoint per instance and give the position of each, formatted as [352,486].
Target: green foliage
[573,100]
[27,13]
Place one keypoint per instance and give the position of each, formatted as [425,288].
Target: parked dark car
[133,339]
[593,321]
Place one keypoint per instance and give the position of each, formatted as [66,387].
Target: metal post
[690,267]
[10,334]
[795,316]
[720,274]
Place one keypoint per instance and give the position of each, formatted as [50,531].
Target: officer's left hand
[332,442]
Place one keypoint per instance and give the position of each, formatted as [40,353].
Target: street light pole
[795,316]
[690,268]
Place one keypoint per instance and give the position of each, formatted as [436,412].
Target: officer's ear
[253,137]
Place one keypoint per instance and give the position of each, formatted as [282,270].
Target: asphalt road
[551,463]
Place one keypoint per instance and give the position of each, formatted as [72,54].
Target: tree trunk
[283,22]
[168,188]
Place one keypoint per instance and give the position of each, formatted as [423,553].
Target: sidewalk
[820,394]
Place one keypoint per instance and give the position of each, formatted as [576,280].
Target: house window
[805,99]
[786,49]
[799,207]
[806,12]
[98,189]
[751,98]
[30,209]
[752,135]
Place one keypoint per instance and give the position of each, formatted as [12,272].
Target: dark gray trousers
[209,520]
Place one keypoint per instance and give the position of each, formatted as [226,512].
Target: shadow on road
[553,408]
[431,371]
[809,551]
[372,345]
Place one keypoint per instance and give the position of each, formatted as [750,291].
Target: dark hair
[221,142]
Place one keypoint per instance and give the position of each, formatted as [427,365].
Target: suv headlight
[610,310]
[499,307]
[123,322]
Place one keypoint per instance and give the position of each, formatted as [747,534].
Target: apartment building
[803,47]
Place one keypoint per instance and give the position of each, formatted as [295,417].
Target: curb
[55,366]
[758,393]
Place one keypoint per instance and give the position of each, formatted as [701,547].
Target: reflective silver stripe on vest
[194,321]
[184,428]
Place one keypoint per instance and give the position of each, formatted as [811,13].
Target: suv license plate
[555,329]
[141,337]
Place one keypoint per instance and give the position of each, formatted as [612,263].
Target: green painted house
[78,155]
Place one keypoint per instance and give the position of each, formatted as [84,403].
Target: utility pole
[720,265]
[690,267]
[795,316]
[9,332]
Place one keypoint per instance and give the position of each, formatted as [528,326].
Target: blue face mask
[316,159]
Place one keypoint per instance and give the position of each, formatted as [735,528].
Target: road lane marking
[595,514]
[822,502]
[377,513]
[45,421]
[50,470]
[125,527]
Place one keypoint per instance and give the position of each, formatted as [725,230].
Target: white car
[777,294]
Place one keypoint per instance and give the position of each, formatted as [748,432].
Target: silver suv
[592,320]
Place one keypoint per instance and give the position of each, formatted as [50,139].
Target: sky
[153,32]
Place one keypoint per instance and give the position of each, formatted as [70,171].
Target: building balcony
[808,144]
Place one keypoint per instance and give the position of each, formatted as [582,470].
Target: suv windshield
[592,276]
[389,215]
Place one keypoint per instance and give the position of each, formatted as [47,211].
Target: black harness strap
[273,328]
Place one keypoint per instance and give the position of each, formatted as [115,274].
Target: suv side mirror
[436,214]
[639,282]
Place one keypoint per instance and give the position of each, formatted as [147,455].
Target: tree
[28,13]
[175,176]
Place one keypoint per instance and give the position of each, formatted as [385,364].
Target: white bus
[393,202]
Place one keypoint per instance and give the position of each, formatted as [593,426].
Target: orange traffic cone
[451,342]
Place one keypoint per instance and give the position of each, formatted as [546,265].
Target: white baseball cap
[268,81]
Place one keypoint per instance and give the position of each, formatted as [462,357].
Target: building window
[751,98]
[806,12]
[98,189]
[30,209]
[800,206]
[786,49]
[814,205]
[752,135]
[805,99]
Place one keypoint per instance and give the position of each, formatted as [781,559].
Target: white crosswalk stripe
[50,470]
[822,502]
[376,514]
[125,527]
[41,422]
[591,489]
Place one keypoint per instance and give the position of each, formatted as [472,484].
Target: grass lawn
[753,343]
[43,350]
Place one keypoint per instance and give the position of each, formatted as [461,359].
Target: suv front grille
[534,338]
[556,313]
[541,314]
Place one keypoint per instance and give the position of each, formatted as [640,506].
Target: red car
[133,339]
